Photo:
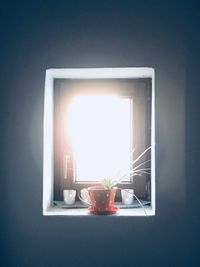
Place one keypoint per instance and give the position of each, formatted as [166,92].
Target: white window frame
[48,171]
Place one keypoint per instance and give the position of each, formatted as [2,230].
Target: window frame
[105,73]
[138,91]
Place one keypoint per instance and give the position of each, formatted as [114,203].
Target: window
[96,122]
[105,140]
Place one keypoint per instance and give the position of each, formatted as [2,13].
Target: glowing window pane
[100,133]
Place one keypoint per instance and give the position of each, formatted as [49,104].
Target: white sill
[60,211]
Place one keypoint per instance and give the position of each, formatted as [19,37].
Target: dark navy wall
[39,35]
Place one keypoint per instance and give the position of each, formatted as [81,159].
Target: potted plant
[102,197]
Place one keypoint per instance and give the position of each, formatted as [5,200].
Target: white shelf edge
[55,211]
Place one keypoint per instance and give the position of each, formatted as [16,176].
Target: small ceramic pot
[102,199]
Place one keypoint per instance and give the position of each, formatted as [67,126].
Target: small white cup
[84,196]
[127,196]
[69,196]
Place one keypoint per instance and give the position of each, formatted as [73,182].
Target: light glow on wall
[100,131]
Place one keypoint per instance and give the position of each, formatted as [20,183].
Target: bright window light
[100,132]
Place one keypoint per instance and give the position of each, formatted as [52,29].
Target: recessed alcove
[71,95]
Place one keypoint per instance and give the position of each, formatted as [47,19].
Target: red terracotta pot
[102,199]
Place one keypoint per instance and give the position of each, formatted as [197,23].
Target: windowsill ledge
[60,210]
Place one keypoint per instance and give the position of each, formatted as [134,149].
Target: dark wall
[40,35]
